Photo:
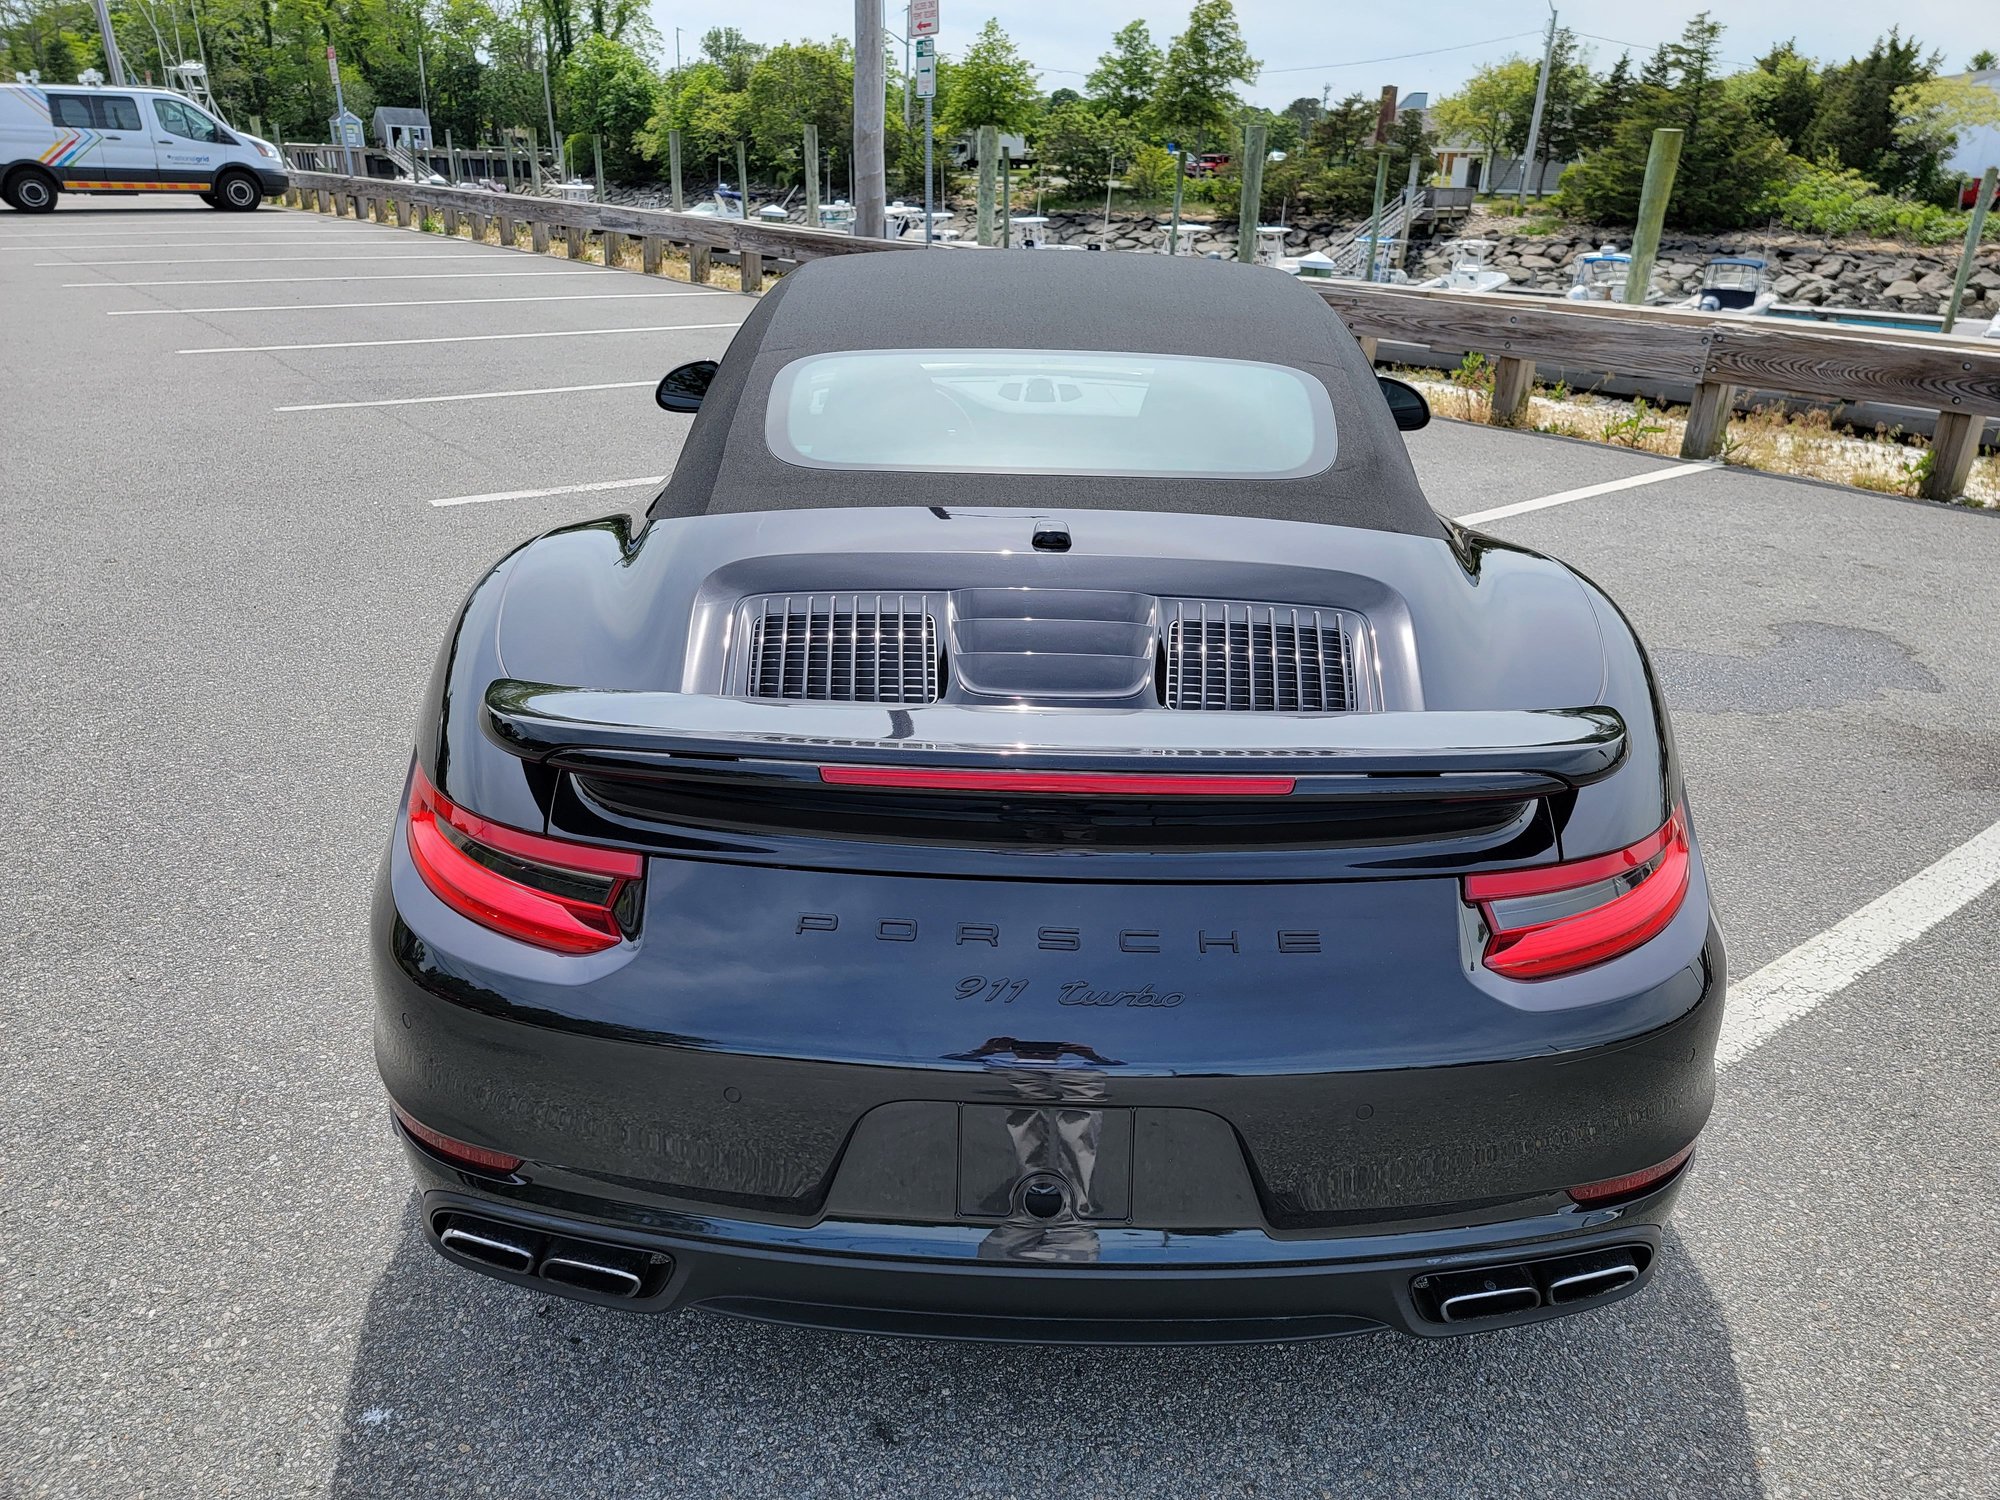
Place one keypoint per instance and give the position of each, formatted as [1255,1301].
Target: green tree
[1983,61]
[1609,101]
[992,84]
[1492,110]
[733,52]
[1856,120]
[1196,97]
[698,102]
[1930,116]
[798,84]
[1783,93]
[1730,168]
[1125,78]
[607,91]
[1084,145]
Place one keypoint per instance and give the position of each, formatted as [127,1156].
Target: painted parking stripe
[555,268]
[452,338]
[182,312]
[259,260]
[177,244]
[546,390]
[561,489]
[1798,983]
[1563,497]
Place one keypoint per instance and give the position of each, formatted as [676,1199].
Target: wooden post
[698,263]
[479,228]
[1708,419]
[812,177]
[614,246]
[751,264]
[576,241]
[1954,445]
[988,147]
[534,161]
[743,179]
[451,221]
[1662,161]
[1970,254]
[674,170]
[1250,203]
[1513,380]
[507,228]
[649,254]
[538,236]
[1367,349]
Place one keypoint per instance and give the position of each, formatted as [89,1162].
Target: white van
[57,138]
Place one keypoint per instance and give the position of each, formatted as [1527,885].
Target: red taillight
[462,1153]
[569,898]
[1554,919]
[1631,1182]
[1066,783]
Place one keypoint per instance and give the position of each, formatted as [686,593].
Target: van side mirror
[682,389]
[1406,403]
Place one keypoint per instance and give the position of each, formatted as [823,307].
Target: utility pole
[549,103]
[812,175]
[1385,122]
[1180,180]
[871,186]
[423,84]
[1662,161]
[1251,201]
[1535,120]
[113,63]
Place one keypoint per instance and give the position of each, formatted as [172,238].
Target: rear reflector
[1066,783]
[1631,1182]
[462,1153]
[566,897]
[1555,919]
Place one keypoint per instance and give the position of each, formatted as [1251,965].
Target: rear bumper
[1145,1287]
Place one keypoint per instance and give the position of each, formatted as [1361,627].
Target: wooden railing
[1716,355]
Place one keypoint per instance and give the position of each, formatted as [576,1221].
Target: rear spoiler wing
[1476,753]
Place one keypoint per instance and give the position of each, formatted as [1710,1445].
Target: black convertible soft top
[1046,300]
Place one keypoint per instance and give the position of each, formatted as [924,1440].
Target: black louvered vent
[1270,658]
[844,648]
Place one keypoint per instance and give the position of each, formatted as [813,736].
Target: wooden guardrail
[1717,355]
[751,241]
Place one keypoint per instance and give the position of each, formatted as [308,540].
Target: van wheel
[31,191]
[239,191]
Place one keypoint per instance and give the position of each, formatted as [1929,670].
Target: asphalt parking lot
[248,468]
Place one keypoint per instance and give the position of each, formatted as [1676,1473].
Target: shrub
[1828,199]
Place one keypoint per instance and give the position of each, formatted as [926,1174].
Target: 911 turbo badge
[1274,912]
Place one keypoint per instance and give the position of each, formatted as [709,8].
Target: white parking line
[547,390]
[452,338]
[561,489]
[259,260]
[1563,497]
[1793,986]
[156,312]
[555,268]
[179,244]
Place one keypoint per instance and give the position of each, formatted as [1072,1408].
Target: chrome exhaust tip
[589,1273]
[1491,1293]
[489,1247]
[1586,1277]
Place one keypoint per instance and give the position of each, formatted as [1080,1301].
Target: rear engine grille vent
[842,648]
[1269,658]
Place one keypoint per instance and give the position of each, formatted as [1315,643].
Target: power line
[1369,62]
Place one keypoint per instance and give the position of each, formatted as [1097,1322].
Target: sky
[1306,45]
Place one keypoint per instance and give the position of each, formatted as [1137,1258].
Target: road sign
[926,68]
[923,17]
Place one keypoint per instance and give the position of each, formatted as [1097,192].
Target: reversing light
[1631,1182]
[1555,919]
[563,896]
[1071,783]
[459,1153]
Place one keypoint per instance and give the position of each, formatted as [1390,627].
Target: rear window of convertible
[1050,411]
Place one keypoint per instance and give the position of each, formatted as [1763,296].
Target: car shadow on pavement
[465,1386]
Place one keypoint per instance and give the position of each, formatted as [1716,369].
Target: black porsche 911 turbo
[1042,833]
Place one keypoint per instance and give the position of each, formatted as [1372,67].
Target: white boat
[576,190]
[1469,271]
[906,221]
[837,216]
[1600,276]
[1993,328]
[726,203]
[1031,232]
[1734,284]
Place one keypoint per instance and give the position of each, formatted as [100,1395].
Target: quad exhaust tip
[1493,1292]
[597,1270]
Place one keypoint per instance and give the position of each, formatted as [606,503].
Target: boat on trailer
[1734,284]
